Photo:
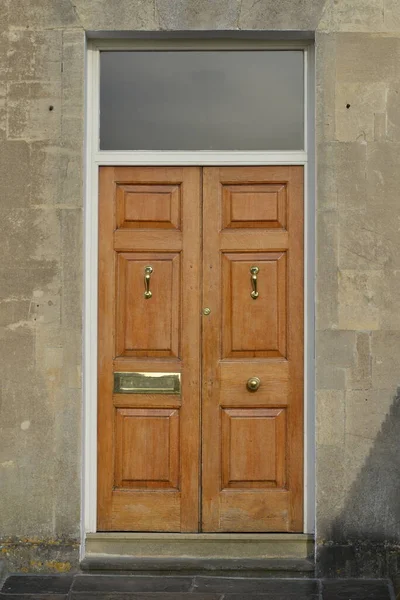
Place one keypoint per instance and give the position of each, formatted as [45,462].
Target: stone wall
[358,263]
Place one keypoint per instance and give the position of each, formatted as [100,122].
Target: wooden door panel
[256,205]
[274,383]
[253,447]
[148,326]
[148,206]
[252,441]
[148,443]
[254,327]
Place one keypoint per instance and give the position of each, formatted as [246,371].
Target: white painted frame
[96,158]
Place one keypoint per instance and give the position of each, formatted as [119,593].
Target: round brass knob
[253,384]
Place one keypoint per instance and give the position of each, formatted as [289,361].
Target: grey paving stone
[245,596]
[143,596]
[42,596]
[36,584]
[356,589]
[130,583]
[268,587]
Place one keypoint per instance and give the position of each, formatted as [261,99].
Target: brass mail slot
[147,383]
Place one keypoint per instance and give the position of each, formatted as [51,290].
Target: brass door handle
[254,271]
[253,384]
[147,274]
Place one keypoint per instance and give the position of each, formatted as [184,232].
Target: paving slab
[37,584]
[356,589]
[199,587]
[247,585]
[130,583]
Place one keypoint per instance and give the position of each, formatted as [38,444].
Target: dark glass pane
[215,100]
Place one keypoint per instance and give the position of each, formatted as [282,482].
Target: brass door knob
[253,384]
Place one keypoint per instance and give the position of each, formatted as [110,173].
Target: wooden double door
[200,349]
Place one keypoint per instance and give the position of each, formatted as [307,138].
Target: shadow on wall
[364,541]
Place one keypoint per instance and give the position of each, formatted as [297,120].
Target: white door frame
[96,158]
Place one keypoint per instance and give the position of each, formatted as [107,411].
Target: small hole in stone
[51,108]
[347,105]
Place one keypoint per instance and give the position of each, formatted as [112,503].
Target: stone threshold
[144,552]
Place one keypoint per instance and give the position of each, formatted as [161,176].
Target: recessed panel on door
[148,326]
[145,206]
[147,448]
[257,205]
[254,326]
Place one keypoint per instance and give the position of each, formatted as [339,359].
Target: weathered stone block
[367,58]
[34,56]
[341,181]
[330,476]
[325,65]
[327,270]
[359,306]
[42,14]
[292,15]
[29,116]
[359,375]
[56,175]
[393,112]
[368,239]
[353,15]
[101,15]
[390,294]
[73,74]
[14,168]
[356,106]
[392,15]
[330,412]
[366,411]
[383,175]
[385,359]
[72,275]
[335,352]
[198,14]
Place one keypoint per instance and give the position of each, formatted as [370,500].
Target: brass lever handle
[253,384]
[254,271]
[147,273]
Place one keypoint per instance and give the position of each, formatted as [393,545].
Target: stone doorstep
[198,546]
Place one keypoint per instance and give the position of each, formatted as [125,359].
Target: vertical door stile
[210,351]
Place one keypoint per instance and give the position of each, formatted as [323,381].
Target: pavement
[136,587]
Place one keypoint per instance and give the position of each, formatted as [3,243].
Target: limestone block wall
[42,46]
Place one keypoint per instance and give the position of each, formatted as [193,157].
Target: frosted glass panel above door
[202,100]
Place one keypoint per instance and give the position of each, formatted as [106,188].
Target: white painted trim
[309,301]
[201,157]
[96,158]
[90,308]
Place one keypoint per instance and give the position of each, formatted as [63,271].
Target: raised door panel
[256,205]
[147,448]
[144,206]
[148,326]
[254,327]
[253,448]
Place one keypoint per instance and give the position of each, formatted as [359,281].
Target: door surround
[96,158]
